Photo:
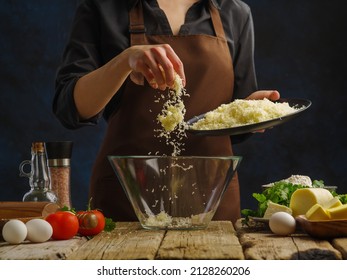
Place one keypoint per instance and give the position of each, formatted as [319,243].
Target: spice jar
[59,157]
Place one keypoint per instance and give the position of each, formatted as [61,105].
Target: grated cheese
[160,220]
[165,220]
[296,180]
[299,180]
[171,118]
[242,112]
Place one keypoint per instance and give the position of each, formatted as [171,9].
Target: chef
[121,53]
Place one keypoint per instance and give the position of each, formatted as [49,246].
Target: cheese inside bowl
[169,192]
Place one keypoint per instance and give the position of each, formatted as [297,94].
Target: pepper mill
[59,157]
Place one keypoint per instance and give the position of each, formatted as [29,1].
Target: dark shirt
[101,31]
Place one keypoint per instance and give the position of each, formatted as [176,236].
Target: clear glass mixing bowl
[174,192]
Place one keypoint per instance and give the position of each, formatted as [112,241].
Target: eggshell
[282,223]
[39,230]
[14,232]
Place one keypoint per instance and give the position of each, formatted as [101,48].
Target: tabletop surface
[221,240]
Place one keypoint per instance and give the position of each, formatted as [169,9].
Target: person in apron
[203,62]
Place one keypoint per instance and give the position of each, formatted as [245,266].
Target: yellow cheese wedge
[275,207]
[334,202]
[338,213]
[317,213]
[303,199]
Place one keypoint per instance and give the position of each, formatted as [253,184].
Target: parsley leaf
[109,224]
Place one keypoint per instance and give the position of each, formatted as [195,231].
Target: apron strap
[137,27]
[216,21]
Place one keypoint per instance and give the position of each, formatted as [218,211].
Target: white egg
[282,223]
[14,232]
[39,230]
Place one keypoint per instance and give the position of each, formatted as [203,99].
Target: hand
[261,94]
[156,63]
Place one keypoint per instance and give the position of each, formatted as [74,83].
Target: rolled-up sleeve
[80,57]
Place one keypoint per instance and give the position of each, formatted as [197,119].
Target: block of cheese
[338,213]
[317,213]
[275,207]
[303,199]
[334,202]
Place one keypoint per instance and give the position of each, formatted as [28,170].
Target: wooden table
[219,241]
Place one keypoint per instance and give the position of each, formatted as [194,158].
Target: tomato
[91,222]
[65,225]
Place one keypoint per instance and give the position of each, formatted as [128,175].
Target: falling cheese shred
[171,118]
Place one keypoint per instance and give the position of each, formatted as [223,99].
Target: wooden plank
[218,241]
[314,249]
[128,241]
[341,245]
[51,250]
[260,244]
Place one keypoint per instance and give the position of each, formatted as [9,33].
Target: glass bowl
[180,192]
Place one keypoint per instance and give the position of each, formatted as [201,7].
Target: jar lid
[59,149]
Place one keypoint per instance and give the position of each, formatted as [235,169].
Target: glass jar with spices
[59,157]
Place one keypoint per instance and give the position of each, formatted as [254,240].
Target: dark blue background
[299,51]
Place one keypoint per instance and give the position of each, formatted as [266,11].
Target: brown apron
[210,81]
